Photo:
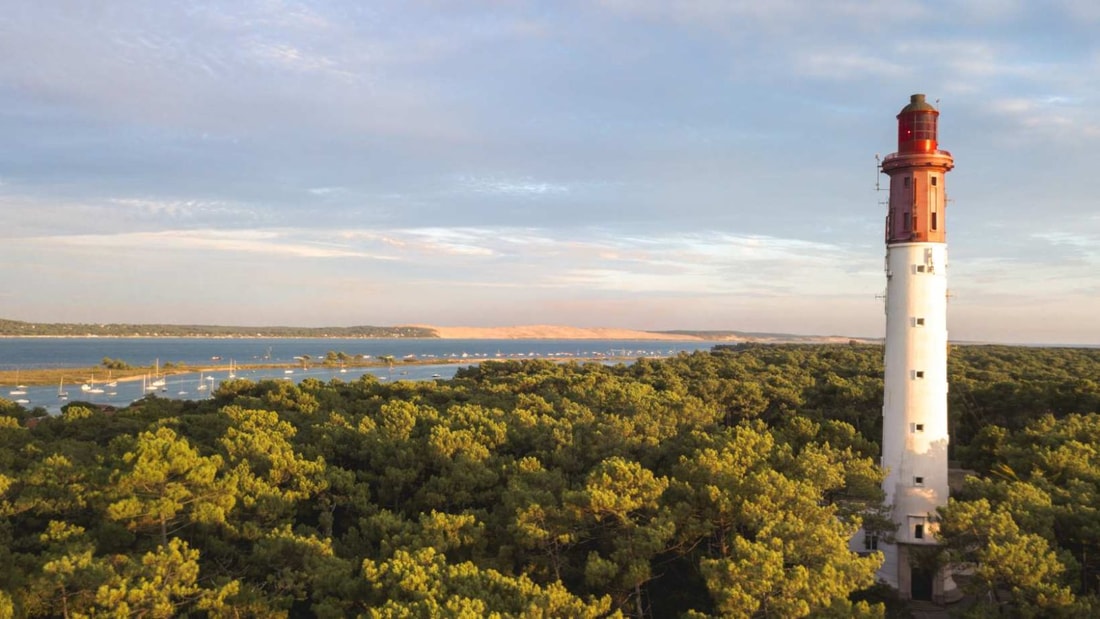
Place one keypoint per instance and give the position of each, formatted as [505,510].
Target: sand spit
[560,332]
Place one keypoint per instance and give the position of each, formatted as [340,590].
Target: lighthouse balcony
[932,158]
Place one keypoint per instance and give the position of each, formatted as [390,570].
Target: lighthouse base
[910,570]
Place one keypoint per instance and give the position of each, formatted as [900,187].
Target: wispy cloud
[175,208]
[846,65]
[291,58]
[523,187]
[1051,116]
[713,12]
[236,241]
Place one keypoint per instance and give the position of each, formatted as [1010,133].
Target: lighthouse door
[921,584]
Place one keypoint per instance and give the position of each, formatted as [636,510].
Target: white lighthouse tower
[914,435]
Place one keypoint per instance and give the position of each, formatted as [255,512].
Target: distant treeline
[19,328]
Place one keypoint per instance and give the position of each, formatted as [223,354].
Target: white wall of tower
[915,433]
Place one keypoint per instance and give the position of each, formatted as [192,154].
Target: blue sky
[628,163]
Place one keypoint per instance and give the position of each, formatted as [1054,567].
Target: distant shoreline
[553,332]
[532,332]
[19,329]
[656,337]
[643,337]
[91,336]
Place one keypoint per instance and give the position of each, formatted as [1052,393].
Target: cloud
[713,263]
[288,57]
[724,264]
[845,65]
[193,208]
[714,13]
[1070,249]
[243,68]
[1053,117]
[445,241]
[524,187]
[267,242]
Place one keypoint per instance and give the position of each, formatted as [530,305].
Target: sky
[647,164]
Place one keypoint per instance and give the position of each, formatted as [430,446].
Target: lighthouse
[914,410]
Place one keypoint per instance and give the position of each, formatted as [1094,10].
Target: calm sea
[27,353]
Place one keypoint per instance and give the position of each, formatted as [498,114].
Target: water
[186,386]
[27,353]
[19,353]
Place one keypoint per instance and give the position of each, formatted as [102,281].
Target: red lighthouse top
[917,126]
[918,198]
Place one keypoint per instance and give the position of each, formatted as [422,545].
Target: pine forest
[728,483]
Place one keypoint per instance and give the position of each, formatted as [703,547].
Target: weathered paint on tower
[915,436]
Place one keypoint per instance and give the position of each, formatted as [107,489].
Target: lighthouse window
[906,181]
[918,427]
[918,482]
[905,221]
[918,374]
[933,181]
[918,531]
[918,322]
[920,268]
[934,218]
[924,127]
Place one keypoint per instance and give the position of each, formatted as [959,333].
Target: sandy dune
[547,332]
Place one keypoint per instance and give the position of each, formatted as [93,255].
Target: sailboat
[61,393]
[202,385]
[158,380]
[89,387]
[19,389]
[232,369]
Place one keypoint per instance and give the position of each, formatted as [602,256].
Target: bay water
[83,353]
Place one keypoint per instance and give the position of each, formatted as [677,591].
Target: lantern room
[917,126]
[917,172]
